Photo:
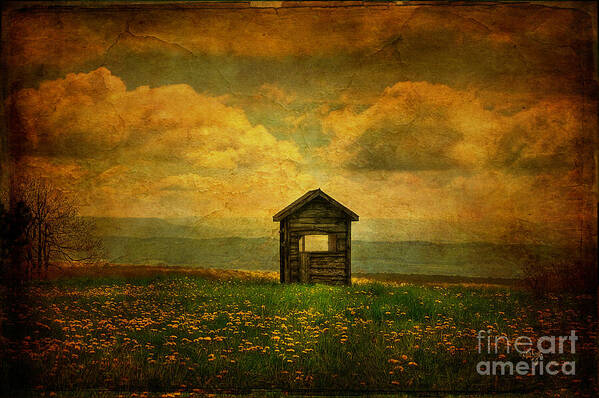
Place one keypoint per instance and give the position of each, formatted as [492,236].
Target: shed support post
[304,267]
[287,256]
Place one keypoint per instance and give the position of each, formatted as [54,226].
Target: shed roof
[309,196]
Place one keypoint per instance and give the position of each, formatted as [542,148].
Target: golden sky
[479,117]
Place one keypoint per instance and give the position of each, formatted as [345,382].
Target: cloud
[149,144]
[412,126]
[85,115]
[421,126]
[552,134]
[508,47]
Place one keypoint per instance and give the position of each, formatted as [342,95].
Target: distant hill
[157,241]
[473,260]
[479,259]
[227,253]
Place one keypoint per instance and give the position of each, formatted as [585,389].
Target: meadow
[143,333]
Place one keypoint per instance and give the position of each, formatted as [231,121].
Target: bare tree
[55,231]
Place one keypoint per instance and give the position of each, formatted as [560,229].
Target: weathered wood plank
[318,220]
[338,266]
[324,261]
[324,264]
[318,212]
[316,229]
[293,254]
[340,272]
[287,264]
[328,279]
[327,264]
[313,231]
[304,267]
[318,267]
[318,204]
[323,270]
[328,260]
[294,267]
[327,254]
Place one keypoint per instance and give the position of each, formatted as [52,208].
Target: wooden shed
[315,238]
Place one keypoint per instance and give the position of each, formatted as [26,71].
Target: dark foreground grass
[174,334]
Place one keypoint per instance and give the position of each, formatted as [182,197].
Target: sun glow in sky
[478,117]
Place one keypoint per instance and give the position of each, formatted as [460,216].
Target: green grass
[185,333]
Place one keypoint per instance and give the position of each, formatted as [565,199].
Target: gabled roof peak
[309,196]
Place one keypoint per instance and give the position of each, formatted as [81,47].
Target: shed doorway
[319,258]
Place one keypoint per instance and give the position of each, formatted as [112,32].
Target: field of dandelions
[178,335]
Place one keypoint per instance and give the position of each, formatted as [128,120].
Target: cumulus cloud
[412,126]
[552,134]
[86,114]
[149,142]
[424,126]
